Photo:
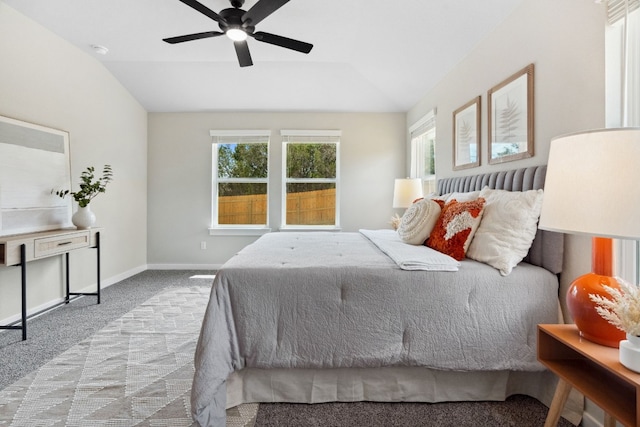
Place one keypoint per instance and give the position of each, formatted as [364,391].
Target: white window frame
[236,229]
[323,136]
[622,64]
[423,128]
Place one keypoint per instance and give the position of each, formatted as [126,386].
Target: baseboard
[589,421]
[104,283]
[30,312]
[122,276]
[593,416]
[184,266]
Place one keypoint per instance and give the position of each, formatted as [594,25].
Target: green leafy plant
[90,186]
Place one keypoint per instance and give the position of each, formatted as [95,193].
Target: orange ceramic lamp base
[591,325]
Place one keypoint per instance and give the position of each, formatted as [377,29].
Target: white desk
[19,249]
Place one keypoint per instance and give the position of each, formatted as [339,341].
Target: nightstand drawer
[48,246]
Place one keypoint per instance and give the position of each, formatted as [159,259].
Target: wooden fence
[306,208]
[250,209]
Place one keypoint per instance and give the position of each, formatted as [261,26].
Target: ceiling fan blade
[242,51]
[283,41]
[204,10]
[261,10]
[189,37]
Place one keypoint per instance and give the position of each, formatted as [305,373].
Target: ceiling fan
[238,24]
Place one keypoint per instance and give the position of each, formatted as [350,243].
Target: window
[622,41]
[311,167]
[240,179]
[423,149]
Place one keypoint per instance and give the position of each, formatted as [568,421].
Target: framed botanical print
[510,117]
[466,135]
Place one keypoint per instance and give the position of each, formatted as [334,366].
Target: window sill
[244,231]
[309,228]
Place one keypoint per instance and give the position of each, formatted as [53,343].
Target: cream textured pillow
[418,221]
[462,197]
[508,227]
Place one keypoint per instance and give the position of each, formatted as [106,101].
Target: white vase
[630,352]
[83,218]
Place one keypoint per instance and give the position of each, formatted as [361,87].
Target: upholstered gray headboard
[548,247]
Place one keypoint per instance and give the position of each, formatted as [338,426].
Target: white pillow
[442,197]
[418,221]
[462,197]
[508,227]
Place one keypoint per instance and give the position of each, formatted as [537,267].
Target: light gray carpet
[136,371]
[56,331]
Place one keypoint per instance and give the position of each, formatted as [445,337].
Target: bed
[319,317]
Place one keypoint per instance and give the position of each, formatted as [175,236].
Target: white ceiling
[368,55]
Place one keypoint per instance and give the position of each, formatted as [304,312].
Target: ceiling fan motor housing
[233,19]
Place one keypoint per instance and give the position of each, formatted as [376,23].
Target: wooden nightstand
[594,370]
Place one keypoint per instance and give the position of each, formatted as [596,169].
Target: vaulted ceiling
[368,55]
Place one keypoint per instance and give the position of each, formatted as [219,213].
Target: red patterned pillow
[455,227]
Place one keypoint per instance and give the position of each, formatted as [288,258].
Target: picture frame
[511,117]
[466,135]
[34,162]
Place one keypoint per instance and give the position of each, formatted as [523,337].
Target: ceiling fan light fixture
[236,34]
[239,24]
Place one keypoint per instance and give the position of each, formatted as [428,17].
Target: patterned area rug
[137,371]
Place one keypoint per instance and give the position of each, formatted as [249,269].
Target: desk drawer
[48,246]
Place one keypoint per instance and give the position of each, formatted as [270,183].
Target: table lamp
[592,187]
[406,191]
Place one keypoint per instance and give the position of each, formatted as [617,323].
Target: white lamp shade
[592,185]
[405,191]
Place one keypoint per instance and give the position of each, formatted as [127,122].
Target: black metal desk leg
[23,266]
[66,257]
[98,264]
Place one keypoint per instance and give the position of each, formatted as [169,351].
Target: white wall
[46,80]
[565,41]
[371,156]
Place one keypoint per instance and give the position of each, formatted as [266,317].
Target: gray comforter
[332,300]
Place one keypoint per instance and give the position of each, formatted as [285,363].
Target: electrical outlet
[203,245]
